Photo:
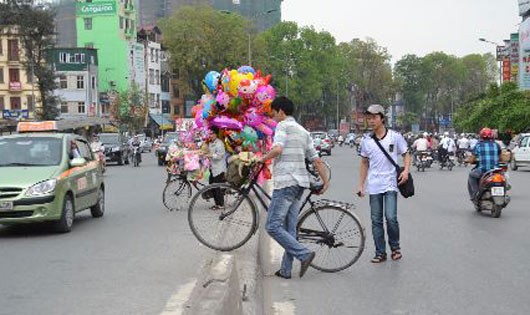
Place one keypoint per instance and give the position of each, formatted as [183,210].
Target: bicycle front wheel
[335,234]
[221,217]
[176,195]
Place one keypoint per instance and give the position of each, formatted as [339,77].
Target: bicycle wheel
[176,195]
[222,227]
[337,248]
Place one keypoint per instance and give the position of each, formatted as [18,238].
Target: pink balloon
[226,123]
[253,118]
[264,129]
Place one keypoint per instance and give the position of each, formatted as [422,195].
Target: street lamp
[482,39]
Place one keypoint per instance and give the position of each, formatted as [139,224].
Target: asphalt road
[131,261]
[455,260]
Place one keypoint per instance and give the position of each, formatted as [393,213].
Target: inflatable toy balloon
[226,123]
[247,88]
[211,80]
[265,129]
[262,81]
[252,117]
[195,109]
[209,109]
[222,100]
[249,136]
[225,80]
[246,70]
[198,119]
[233,105]
[264,94]
[235,81]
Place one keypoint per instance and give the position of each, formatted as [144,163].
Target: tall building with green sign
[110,27]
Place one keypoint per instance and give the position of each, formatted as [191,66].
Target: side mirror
[77,162]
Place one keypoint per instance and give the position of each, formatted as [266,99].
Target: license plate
[6,205]
[497,191]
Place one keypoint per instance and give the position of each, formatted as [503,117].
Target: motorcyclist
[136,143]
[96,145]
[420,145]
[340,140]
[447,147]
[487,153]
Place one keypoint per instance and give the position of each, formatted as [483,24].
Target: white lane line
[283,308]
[175,304]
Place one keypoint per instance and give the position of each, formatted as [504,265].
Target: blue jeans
[281,225]
[385,203]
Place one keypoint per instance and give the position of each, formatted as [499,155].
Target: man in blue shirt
[488,153]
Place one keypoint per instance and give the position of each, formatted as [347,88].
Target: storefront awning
[161,119]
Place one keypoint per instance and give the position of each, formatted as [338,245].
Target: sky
[411,26]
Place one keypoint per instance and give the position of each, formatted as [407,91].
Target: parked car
[48,177]
[521,153]
[116,147]
[321,142]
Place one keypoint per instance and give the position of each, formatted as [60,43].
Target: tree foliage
[130,109]
[506,109]
[36,27]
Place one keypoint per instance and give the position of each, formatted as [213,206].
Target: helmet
[462,135]
[486,133]
[425,134]
[446,134]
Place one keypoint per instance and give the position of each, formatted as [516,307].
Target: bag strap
[386,153]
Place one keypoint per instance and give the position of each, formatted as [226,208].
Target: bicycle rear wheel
[224,227]
[335,234]
[176,195]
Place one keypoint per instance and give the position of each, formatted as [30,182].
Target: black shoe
[306,263]
[279,274]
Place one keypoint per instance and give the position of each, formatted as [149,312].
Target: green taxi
[48,176]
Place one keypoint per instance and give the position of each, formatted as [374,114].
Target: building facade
[110,27]
[151,37]
[19,95]
[77,82]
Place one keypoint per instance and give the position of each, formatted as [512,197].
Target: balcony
[15,86]
[128,7]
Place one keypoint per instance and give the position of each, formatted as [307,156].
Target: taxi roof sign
[37,126]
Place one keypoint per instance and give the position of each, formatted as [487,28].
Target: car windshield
[110,139]
[39,151]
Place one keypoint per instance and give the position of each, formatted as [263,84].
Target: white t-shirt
[382,176]
[472,143]
[421,144]
[448,144]
[463,143]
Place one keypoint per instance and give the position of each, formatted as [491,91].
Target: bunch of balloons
[238,102]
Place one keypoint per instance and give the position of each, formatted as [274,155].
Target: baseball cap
[375,109]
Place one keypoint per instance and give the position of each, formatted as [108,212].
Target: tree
[130,109]
[35,25]
[201,39]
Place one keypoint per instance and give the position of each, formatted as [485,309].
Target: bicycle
[327,227]
[178,191]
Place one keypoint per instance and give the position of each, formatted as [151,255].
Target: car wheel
[513,165]
[98,209]
[66,221]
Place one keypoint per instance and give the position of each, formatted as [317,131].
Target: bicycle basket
[239,169]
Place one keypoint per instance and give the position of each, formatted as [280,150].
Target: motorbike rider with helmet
[447,147]
[488,152]
[136,143]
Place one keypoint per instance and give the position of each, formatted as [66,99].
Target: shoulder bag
[407,188]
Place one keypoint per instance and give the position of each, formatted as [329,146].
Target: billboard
[514,56]
[97,8]
[524,7]
[524,55]
[137,65]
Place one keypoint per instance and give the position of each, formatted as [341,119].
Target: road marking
[283,308]
[176,303]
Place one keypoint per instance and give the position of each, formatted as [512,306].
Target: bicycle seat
[315,187]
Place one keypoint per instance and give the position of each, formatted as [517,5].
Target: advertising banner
[524,55]
[524,7]
[514,56]
[506,71]
[137,65]
[98,8]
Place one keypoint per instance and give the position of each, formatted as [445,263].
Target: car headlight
[42,188]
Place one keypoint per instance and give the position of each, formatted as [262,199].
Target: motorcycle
[423,160]
[461,156]
[341,142]
[136,156]
[492,193]
[448,160]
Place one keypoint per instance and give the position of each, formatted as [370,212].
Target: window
[126,24]
[176,91]
[156,55]
[151,76]
[14,75]
[151,99]
[80,82]
[15,103]
[121,22]
[81,107]
[1,75]
[157,77]
[12,50]
[93,83]
[71,58]
[176,110]
[82,58]
[64,107]
[152,55]
[63,57]
[88,23]
[30,102]
[2,105]
[157,103]
[63,82]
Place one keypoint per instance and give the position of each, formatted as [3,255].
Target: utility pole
[337,106]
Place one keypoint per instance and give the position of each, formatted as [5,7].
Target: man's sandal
[396,254]
[378,259]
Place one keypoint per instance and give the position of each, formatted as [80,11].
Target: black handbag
[407,188]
